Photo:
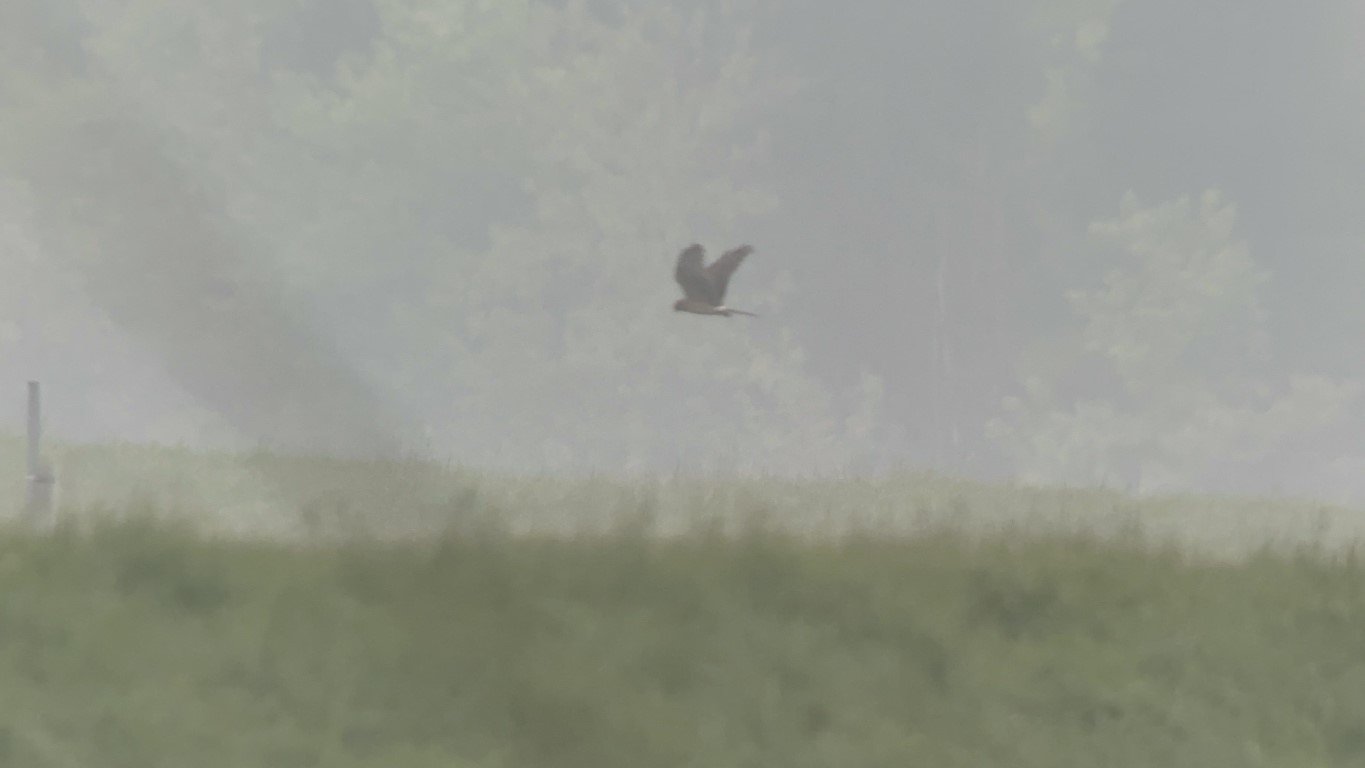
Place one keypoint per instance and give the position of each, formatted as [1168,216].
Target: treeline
[1083,242]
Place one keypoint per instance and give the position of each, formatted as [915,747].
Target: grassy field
[263,495]
[445,618]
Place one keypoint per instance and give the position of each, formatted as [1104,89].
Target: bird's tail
[732,311]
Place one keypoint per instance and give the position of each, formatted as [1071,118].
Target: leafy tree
[468,222]
[555,342]
[1176,334]
[1070,36]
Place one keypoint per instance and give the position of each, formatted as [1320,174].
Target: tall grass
[260,494]
[144,644]
[446,618]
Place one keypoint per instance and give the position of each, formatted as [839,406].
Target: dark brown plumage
[704,285]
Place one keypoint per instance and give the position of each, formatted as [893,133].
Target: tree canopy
[449,226]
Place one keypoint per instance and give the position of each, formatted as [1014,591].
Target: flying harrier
[704,285]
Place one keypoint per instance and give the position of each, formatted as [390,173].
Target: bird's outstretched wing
[720,270]
[693,276]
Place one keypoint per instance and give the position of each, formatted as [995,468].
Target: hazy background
[1073,241]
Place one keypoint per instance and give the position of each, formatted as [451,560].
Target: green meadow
[207,610]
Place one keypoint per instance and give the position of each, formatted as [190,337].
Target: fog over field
[1094,243]
[380,439]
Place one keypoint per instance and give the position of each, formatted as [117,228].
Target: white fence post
[41,479]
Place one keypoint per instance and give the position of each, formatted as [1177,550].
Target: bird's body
[704,285]
[702,308]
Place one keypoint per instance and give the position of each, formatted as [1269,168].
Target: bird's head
[679,304]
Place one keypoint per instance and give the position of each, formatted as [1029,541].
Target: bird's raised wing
[720,270]
[692,275]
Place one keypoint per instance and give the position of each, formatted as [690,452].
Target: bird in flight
[704,285]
